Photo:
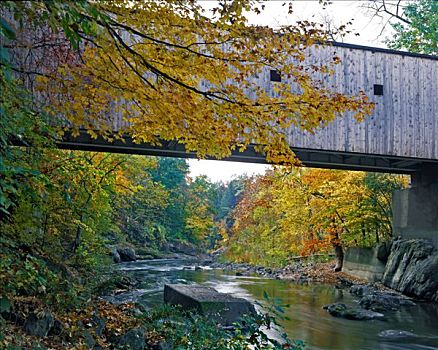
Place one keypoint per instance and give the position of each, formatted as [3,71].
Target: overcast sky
[338,13]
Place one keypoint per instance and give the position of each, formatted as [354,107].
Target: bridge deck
[309,157]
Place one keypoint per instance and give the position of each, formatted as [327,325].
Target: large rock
[127,254]
[377,300]
[341,310]
[182,248]
[412,268]
[361,290]
[208,301]
[39,324]
[384,302]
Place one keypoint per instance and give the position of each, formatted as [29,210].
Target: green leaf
[5,304]
[6,30]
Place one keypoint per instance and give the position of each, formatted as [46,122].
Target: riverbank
[298,271]
[302,272]
[30,323]
[27,323]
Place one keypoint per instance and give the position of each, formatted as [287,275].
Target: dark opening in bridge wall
[378,89]
[275,75]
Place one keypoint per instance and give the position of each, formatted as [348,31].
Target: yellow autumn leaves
[167,71]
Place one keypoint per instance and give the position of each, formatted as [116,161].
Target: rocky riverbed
[373,299]
[374,295]
[363,303]
[355,301]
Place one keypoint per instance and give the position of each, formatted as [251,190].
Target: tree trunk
[336,243]
[339,254]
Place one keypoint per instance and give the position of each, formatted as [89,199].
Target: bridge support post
[415,209]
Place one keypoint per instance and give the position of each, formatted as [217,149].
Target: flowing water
[308,321]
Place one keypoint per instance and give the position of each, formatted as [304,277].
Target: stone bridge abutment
[415,209]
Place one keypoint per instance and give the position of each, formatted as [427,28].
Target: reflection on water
[308,321]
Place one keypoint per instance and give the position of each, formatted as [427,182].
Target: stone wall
[365,262]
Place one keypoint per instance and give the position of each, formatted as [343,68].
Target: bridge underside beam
[309,157]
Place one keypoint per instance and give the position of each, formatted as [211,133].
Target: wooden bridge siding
[405,119]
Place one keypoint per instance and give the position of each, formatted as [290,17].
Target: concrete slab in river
[208,301]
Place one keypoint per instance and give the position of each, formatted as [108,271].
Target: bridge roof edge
[383,50]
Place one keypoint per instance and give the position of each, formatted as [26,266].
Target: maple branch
[131,66]
[162,42]
[167,76]
[34,45]
[86,38]
[28,72]
[178,46]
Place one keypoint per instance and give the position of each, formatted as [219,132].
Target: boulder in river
[208,301]
[384,302]
[125,254]
[341,310]
[412,268]
[361,290]
[181,248]
[377,300]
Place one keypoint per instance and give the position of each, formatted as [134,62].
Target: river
[308,321]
